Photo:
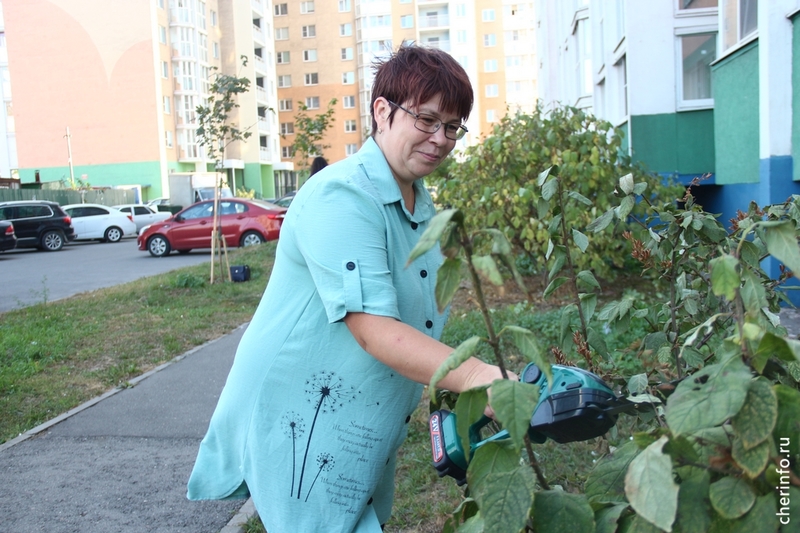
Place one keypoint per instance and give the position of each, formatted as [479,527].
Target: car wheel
[52,241]
[251,238]
[158,246]
[182,252]
[113,234]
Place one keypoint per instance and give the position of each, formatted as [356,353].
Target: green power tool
[579,406]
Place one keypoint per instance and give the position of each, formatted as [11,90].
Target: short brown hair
[414,74]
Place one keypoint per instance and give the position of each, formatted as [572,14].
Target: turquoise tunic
[308,422]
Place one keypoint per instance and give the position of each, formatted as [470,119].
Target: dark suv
[38,224]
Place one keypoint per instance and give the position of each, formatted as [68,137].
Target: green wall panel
[260,178]
[796,97]
[681,143]
[735,87]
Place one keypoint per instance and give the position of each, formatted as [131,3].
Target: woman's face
[411,153]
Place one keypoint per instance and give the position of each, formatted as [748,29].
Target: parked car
[244,223]
[143,215]
[8,239]
[155,202]
[38,224]
[286,199]
[100,222]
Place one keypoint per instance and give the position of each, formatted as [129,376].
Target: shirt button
[423,273]
[414,225]
[369,502]
[350,265]
[428,324]
[408,419]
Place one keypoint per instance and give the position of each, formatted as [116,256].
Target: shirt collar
[380,175]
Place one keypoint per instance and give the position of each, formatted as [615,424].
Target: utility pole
[69,152]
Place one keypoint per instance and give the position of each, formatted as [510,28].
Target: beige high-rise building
[325,49]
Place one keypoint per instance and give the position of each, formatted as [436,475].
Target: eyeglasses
[431,124]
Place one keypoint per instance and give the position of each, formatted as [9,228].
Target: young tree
[215,132]
[309,132]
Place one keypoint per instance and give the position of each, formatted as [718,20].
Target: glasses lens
[454,132]
[427,123]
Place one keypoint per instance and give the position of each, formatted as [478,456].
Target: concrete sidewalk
[121,461]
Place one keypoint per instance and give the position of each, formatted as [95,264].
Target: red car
[244,222]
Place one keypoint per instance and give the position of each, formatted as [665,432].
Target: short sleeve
[340,231]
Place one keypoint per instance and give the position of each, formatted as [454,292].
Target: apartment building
[699,87]
[8,148]
[325,50]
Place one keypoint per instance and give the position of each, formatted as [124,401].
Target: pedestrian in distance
[333,363]
[317,164]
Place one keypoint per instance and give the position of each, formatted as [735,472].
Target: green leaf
[550,188]
[601,222]
[469,409]
[607,518]
[505,499]
[556,511]
[762,517]
[588,305]
[709,397]
[434,232]
[752,460]
[486,267]
[513,403]
[731,497]
[787,426]
[500,244]
[579,197]
[626,183]
[637,384]
[756,419]
[587,279]
[598,342]
[606,482]
[724,278]
[781,241]
[527,344]
[464,351]
[625,207]
[650,487]
[693,510]
[448,280]
[772,345]
[543,175]
[581,240]
[492,458]
[555,284]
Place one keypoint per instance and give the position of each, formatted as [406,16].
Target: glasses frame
[460,132]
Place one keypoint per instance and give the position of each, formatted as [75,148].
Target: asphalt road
[29,276]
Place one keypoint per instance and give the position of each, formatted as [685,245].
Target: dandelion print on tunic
[293,427]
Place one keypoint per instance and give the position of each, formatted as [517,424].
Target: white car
[143,215]
[99,222]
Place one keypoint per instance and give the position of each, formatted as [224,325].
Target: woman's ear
[382,110]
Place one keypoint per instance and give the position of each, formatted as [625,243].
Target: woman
[332,365]
[317,164]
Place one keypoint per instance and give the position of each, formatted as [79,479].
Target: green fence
[64,197]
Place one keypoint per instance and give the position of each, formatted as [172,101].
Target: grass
[57,355]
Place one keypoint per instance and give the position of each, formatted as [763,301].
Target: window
[490,115]
[307,7]
[461,10]
[622,76]
[739,20]
[281,58]
[344,6]
[285,105]
[405,1]
[491,90]
[514,61]
[345,30]
[348,78]
[281,34]
[349,126]
[461,36]
[697,52]
[489,39]
[167,106]
[312,102]
[286,152]
[168,138]
[697,4]
[311,78]
[215,48]
[161,4]
[347,54]
[309,31]
[490,65]
[349,102]
[162,35]
[310,55]
[487,15]
[350,149]
[281,9]
[165,70]
[285,81]
[407,21]
[213,15]
[287,128]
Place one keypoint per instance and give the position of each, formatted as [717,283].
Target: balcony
[260,64]
[258,7]
[263,125]
[261,94]
[263,155]
[443,45]
[258,35]
[437,21]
